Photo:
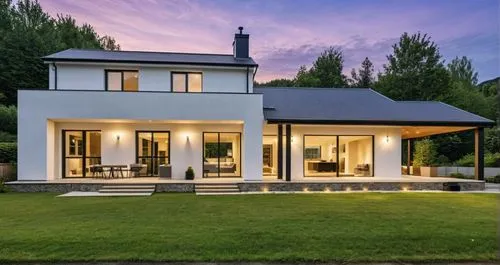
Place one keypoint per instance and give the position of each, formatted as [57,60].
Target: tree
[461,70]
[465,93]
[327,68]
[425,153]
[26,34]
[305,78]
[282,82]
[364,76]
[414,71]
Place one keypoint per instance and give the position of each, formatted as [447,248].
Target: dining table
[114,169]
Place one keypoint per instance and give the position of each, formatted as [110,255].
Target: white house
[201,110]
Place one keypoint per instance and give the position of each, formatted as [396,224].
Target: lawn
[300,227]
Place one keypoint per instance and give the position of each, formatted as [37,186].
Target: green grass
[301,227]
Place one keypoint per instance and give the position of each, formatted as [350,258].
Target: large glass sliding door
[221,154]
[320,156]
[81,149]
[152,150]
[338,155]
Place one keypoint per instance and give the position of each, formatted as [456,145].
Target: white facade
[44,114]
[77,100]
[85,76]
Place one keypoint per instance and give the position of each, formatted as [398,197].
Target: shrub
[7,137]
[492,160]
[8,119]
[3,188]
[466,161]
[425,153]
[460,176]
[442,160]
[8,152]
[493,179]
[190,173]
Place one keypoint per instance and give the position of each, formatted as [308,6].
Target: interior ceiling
[408,132]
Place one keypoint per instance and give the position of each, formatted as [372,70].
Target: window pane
[74,143]
[130,81]
[211,155]
[355,156]
[179,82]
[229,154]
[161,147]
[144,143]
[194,82]
[93,147]
[114,81]
[270,155]
[320,156]
[74,167]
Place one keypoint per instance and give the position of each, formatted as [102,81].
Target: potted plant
[190,173]
[425,158]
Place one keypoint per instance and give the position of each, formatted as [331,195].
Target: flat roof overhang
[383,122]
[409,129]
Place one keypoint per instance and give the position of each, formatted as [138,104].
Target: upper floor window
[186,82]
[122,80]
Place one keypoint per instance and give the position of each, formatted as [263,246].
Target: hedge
[490,160]
[8,152]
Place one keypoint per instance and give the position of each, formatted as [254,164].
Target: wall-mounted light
[291,139]
[117,137]
[387,138]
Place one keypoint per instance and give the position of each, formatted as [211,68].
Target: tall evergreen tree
[364,76]
[461,70]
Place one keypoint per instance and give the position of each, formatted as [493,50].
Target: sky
[285,34]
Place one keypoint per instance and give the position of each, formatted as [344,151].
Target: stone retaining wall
[256,186]
[355,186]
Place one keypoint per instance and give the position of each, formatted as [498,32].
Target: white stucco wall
[37,109]
[387,154]
[151,77]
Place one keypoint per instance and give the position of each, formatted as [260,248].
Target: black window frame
[218,152]
[186,81]
[84,154]
[337,173]
[152,156]
[121,71]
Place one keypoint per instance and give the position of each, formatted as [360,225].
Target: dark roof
[94,55]
[358,106]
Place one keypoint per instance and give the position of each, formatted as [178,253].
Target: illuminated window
[118,80]
[187,82]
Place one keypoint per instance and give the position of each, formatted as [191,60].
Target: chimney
[241,45]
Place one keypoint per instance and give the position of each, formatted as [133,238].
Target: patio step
[128,189]
[216,188]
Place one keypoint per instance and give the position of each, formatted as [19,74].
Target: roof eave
[384,122]
[51,60]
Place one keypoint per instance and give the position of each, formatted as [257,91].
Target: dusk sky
[287,34]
